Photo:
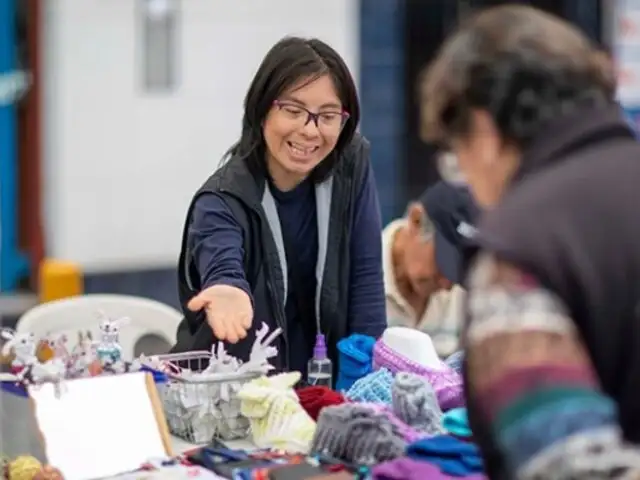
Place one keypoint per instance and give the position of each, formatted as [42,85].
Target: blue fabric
[455,422]
[355,355]
[367,304]
[373,388]
[455,361]
[216,243]
[632,116]
[454,457]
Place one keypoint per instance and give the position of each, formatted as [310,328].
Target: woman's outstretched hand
[228,309]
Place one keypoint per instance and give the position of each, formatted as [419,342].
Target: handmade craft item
[23,467]
[40,360]
[108,348]
[84,360]
[49,473]
[26,367]
[205,404]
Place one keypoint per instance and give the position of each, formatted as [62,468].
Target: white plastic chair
[82,313]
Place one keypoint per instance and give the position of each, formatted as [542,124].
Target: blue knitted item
[454,457]
[455,361]
[354,359]
[374,388]
[455,422]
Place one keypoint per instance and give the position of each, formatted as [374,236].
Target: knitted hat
[408,433]
[374,388]
[410,469]
[356,434]
[416,404]
[446,382]
[456,423]
[315,398]
[277,419]
[453,456]
[454,361]
[354,359]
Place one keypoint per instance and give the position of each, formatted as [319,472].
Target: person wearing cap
[425,255]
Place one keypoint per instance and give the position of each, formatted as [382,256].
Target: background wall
[121,164]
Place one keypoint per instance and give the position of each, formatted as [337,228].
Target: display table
[19,433]
[180,446]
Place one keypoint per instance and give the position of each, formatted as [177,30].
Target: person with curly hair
[552,343]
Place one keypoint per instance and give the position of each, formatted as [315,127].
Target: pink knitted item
[446,382]
[408,433]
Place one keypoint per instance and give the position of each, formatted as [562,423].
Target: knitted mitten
[277,419]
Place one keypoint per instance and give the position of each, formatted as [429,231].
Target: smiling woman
[299,139]
[258,241]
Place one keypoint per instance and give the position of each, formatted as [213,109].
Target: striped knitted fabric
[531,379]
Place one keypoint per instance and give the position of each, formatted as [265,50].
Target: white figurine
[24,348]
[108,348]
[26,367]
[58,344]
[83,355]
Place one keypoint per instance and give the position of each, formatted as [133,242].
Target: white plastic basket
[200,408]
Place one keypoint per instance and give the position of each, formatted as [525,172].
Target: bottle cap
[320,349]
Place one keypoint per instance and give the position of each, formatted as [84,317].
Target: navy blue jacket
[238,232]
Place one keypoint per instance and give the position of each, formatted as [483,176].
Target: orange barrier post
[59,279]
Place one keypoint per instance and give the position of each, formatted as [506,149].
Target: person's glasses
[329,122]
[449,169]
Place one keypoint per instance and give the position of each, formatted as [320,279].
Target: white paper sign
[99,427]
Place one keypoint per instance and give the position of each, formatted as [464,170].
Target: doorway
[426,25]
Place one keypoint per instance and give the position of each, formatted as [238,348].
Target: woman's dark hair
[288,62]
[521,65]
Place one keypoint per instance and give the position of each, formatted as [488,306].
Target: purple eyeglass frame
[310,115]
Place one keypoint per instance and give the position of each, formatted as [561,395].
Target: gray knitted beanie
[356,434]
[416,404]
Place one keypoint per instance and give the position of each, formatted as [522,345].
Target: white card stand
[101,426]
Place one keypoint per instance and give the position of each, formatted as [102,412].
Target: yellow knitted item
[277,419]
[24,467]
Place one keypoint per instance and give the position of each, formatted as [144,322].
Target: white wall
[121,165]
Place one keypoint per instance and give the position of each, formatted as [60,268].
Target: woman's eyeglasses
[328,121]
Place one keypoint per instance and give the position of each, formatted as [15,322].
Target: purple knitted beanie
[445,381]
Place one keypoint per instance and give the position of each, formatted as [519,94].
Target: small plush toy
[49,473]
[44,351]
[95,368]
[24,467]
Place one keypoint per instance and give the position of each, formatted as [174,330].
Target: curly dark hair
[522,66]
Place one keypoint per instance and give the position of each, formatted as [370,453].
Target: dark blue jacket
[265,268]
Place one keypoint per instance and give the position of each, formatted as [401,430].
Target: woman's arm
[534,381]
[216,243]
[367,314]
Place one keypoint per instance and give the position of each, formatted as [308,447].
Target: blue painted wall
[382,96]
[13,266]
